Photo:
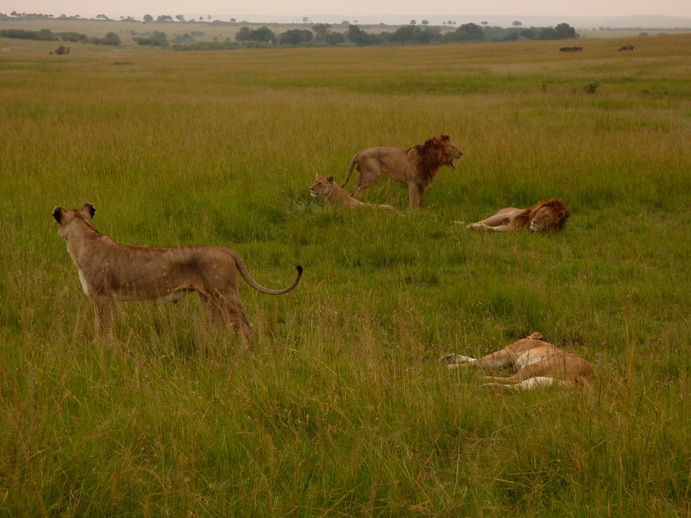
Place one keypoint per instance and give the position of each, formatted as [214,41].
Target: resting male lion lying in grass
[550,215]
[536,362]
[337,197]
[111,272]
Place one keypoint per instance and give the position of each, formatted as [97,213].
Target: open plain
[342,408]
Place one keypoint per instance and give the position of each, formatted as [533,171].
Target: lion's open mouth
[451,164]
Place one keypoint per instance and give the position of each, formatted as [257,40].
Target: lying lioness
[336,196]
[536,362]
[111,272]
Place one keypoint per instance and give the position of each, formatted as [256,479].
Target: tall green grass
[342,407]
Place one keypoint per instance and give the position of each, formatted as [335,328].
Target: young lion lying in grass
[536,362]
[336,197]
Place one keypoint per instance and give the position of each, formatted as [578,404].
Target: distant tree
[243,35]
[516,23]
[180,18]
[412,22]
[62,50]
[321,30]
[548,33]
[424,22]
[112,39]
[164,18]
[564,31]
[483,23]
[233,20]
[334,38]
[467,32]
[358,36]
[148,18]
[263,35]
[295,37]
[305,19]
[406,34]
[102,17]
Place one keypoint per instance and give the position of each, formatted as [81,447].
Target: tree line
[320,34]
[47,35]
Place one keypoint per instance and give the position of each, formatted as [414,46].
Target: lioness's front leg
[103,308]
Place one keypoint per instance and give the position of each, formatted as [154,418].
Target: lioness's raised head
[65,218]
[322,185]
[550,215]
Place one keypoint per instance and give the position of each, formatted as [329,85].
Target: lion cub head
[322,185]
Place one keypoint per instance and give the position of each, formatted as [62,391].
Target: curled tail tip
[299,269]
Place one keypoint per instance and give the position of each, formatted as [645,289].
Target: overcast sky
[350,8]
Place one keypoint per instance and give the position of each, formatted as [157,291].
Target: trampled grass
[342,408]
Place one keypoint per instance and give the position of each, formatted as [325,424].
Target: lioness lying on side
[337,197]
[111,272]
[550,215]
[536,362]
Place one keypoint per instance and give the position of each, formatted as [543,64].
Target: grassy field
[342,407]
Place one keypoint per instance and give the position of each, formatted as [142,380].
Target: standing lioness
[111,272]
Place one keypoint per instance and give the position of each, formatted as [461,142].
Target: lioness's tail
[353,163]
[240,264]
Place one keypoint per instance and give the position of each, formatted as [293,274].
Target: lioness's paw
[448,358]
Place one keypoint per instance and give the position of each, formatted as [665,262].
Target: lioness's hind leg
[232,312]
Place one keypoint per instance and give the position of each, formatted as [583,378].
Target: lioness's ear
[89,209]
[330,179]
[57,213]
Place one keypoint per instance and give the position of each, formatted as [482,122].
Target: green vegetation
[47,35]
[342,407]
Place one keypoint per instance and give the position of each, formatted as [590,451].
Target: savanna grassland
[342,408]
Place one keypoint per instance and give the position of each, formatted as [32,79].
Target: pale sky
[350,9]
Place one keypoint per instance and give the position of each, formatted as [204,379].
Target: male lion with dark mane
[416,166]
[550,215]
[536,362]
[336,196]
[110,272]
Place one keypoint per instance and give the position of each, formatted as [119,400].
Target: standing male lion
[416,166]
[110,272]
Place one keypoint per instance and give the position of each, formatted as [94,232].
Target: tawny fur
[416,166]
[110,272]
[546,216]
[337,197]
[536,363]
